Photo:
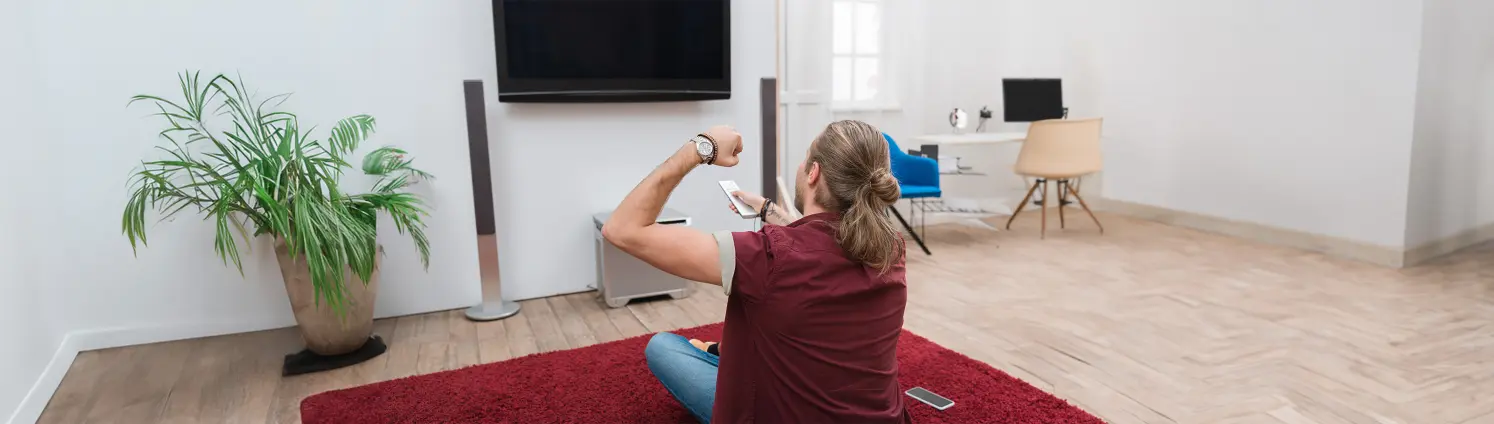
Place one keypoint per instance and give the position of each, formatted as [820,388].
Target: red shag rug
[609,383]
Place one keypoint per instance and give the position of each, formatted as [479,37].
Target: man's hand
[752,200]
[728,145]
[705,346]
[778,215]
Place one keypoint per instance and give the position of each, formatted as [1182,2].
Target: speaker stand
[490,311]
[493,306]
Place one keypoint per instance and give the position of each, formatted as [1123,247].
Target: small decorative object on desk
[985,115]
[958,119]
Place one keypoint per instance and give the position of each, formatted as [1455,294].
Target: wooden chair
[1059,150]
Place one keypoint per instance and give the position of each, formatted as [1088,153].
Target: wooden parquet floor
[1145,324]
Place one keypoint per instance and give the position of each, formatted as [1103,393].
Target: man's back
[811,336]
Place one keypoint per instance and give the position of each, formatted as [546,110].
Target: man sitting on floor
[815,306]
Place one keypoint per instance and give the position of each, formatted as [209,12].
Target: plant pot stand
[332,341]
[306,361]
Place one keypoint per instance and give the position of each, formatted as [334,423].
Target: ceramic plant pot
[325,333]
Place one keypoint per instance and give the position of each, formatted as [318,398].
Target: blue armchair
[917,178]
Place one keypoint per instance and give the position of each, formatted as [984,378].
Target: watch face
[703,147]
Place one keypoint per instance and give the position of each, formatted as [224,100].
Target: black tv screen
[1032,99]
[612,50]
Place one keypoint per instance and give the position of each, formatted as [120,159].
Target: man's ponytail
[857,180]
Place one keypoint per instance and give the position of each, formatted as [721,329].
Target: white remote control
[742,209]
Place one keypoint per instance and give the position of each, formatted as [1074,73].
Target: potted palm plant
[256,172]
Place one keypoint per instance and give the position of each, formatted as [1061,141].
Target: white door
[835,60]
[804,80]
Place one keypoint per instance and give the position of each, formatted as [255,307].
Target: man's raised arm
[681,251]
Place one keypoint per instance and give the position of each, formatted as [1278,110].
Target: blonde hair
[857,182]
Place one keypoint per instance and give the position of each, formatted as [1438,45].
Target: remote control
[747,212]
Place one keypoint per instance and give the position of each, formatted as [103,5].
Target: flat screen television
[565,51]
[1032,99]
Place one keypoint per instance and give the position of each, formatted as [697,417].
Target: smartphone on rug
[925,396]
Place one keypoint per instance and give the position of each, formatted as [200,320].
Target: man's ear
[812,175]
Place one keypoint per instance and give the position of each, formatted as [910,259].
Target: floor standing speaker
[493,306]
[768,109]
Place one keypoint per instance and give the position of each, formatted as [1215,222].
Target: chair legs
[1086,209]
[908,227]
[1063,198]
[1021,205]
[1065,188]
[1043,233]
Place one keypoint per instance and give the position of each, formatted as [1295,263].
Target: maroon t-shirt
[811,336]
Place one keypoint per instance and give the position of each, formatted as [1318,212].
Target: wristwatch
[705,147]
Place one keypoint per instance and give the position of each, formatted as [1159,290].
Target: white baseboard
[36,399]
[1333,246]
[1437,248]
[588,288]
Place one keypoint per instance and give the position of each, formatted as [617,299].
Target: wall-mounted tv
[1032,99]
[569,51]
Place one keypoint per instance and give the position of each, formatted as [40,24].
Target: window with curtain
[858,56]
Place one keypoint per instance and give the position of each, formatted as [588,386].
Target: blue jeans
[688,372]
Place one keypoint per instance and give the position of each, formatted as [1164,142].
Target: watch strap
[714,148]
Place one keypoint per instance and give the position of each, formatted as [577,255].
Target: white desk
[990,185]
[972,138]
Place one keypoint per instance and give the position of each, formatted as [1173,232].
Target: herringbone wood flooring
[1147,323]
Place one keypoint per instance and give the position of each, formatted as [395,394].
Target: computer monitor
[1032,99]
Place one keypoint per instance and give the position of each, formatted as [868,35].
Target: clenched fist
[728,145]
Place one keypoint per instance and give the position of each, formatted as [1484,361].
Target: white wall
[28,345]
[1287,113]
[401,62]
[554,165]
[1452,163]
